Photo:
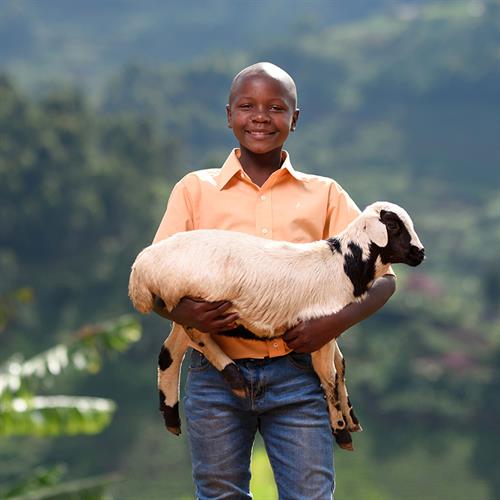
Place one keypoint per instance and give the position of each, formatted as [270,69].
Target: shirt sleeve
[341,211]
[178,215]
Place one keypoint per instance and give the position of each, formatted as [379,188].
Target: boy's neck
[259,167]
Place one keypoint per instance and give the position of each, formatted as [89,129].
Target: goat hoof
[355,425]
[343,439]
[235,379]
[174,430]
[170,415]
[355,428]
[347,446]
[171,418]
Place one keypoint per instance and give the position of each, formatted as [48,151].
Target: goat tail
[138,290]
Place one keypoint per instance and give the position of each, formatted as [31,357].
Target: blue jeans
[286,405]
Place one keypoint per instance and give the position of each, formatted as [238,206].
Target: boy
[257,191]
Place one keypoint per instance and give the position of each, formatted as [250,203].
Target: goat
[272,285]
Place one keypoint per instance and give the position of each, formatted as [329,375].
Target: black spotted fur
[164,358]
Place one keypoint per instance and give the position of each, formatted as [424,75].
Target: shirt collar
[232,166]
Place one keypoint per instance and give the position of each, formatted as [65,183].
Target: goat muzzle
[415,256]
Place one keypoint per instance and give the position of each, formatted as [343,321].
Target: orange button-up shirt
[290,206]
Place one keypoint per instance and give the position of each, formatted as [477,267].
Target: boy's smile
[261,112]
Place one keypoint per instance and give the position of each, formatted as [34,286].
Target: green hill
[84,41]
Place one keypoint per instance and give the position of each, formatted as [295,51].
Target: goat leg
[323,363]
[352,421]
[169,366]
[220,361]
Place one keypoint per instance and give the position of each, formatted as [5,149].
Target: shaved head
[268,70]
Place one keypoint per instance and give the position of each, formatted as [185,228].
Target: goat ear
[376,230]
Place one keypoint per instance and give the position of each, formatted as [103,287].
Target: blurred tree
[24,413]
[80,196]
[409,93]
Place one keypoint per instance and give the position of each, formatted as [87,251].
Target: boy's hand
[311,335]
[207,317]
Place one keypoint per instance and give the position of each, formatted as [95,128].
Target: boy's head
[262,108]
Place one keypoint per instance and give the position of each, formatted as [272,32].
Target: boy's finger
[229,318]
[210,305]
[291,343]
[290,337]
[228,328]
[221,306]
[226,322]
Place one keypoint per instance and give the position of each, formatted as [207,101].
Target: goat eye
[392,225]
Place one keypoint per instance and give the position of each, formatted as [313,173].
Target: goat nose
[418,254]
[417,251]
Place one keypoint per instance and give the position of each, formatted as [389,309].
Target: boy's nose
[260,116]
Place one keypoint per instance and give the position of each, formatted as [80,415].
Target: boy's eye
[244,106]
[276,108]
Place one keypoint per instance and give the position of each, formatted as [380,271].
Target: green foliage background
[103,106]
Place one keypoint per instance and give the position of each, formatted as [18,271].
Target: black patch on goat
[164,358]
[170,415]
[399,248]
[343,437]
[334,245]
[360,272]
[240,332]
[398,238]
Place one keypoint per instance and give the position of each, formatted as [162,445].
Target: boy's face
[261,112]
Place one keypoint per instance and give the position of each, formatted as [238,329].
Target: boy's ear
[295,117]
[228,113]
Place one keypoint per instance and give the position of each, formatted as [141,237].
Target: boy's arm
[313,334]
[178,215]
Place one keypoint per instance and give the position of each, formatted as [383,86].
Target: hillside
[412,97]
[84,42]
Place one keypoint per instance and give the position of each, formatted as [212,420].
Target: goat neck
[362,263]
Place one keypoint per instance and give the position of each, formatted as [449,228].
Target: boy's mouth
[259,133]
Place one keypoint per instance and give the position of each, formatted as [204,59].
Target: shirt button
[263,198]
[265,230]
[275,345]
